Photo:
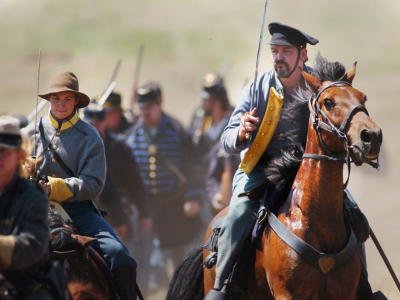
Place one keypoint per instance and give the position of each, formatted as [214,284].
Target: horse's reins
[324,123]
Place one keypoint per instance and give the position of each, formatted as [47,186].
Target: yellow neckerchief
[67,123]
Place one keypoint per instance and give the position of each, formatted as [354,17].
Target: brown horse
[312,216]
[85,269]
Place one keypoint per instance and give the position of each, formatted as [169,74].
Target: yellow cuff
[59,190]
[7,244]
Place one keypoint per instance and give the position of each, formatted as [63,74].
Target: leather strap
[321,261]
[56,156]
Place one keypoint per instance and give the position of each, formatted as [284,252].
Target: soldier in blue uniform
[164,154]
[123,185]
[71,153]
[24,232]
[214,164]
[115,118]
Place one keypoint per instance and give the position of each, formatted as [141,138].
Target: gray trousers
[237,224]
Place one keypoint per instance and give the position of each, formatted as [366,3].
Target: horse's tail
[187,282]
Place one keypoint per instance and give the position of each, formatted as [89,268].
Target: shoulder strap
[56,156]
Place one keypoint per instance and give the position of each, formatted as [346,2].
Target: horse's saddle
[64,240]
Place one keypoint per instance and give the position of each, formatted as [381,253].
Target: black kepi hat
[285,35]
[148,93]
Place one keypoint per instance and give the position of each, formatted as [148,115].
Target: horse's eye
[329,104]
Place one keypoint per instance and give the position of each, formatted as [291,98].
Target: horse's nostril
[366,135]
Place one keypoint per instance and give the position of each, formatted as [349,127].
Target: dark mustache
[282,62]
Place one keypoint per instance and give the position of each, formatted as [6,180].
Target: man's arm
[22,250]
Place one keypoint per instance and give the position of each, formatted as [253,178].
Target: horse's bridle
[324,123]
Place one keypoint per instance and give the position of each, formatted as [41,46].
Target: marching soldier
[163,152]
[123,185]
[71,153]
[216,167]
[114,114]
[24,233]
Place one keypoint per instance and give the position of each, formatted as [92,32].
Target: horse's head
[339,115]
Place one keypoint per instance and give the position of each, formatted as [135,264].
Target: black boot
[125,283]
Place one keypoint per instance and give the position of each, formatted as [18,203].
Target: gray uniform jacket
[82,150]
[264,83]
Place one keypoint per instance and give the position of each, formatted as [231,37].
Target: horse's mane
[328,71]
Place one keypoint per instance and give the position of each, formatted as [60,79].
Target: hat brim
[83,99]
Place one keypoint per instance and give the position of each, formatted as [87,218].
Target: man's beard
[283,71]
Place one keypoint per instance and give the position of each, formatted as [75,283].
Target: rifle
[138,65]
[111,84]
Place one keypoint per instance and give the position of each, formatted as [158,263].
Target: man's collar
[67,123]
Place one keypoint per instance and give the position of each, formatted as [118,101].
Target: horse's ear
[349,76]
[312,81]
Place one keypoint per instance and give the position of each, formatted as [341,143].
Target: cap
[10,134]
[212,84]
[93,112]
[285,35]
[113,102]
[148,93]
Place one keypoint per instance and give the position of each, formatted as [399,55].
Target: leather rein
[321,122]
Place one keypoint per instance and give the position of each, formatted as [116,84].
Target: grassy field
[184,39]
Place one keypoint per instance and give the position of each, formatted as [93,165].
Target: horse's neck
[317,198]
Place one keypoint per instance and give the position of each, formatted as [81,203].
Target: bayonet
[138,65]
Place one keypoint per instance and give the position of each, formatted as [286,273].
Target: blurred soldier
[115,118]
[216,167]
[71,153]
[164,154]
[123,185]
[23,219]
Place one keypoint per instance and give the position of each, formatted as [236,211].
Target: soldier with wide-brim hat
[70,152]
[66,82]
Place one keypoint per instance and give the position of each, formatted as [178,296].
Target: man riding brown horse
[70,153]
[284,113]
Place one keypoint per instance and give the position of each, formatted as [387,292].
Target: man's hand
[191,208]
[46,187]
[248,123]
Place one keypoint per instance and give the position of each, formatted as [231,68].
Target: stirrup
[210,260]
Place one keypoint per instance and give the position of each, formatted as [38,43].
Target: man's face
[112,119]
[63,104]
[9,160]
[207,104]
[150,114]
[285,59]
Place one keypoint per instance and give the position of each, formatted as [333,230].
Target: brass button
[257,144]
[152,149]
[54,147]
[271,109]
[153,182]
[269,122]
[152,174]
[263,133]
[53,160]
[152,167]
[152,160]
